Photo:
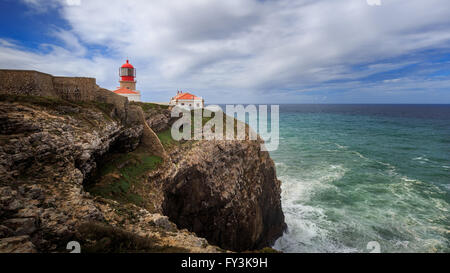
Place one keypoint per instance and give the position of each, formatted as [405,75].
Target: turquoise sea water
[352,174]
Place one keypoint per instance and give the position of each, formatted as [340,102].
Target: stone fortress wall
[75,89]
[34,83]
[26,82]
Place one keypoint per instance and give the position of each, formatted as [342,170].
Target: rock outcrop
[60,136]
[48,151]
[227,192]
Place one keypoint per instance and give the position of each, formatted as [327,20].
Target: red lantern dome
[127,65]
[127,72]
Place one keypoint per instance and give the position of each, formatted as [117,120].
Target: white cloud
[71,42]
[239,48]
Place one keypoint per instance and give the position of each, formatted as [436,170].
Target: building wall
[34,83]
[26,82]
[78,89]
[190,103]
[127,84]
[132,97]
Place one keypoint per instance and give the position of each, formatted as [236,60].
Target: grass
[146,106]
[166,138]
[48,102]
[168,142]
[122,174]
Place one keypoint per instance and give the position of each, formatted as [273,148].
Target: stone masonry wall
[26,82]
[34,83]
[75,89]
[29,82]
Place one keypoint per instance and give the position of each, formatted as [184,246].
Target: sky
[240,51]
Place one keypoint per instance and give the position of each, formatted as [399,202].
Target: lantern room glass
[127,72]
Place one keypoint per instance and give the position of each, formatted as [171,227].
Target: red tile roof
[125,91]
[186,96]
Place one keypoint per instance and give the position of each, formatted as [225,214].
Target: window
[182,103]
[126,72]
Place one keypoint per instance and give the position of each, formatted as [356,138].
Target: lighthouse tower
[127,74]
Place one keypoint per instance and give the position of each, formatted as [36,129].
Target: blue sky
[286,51]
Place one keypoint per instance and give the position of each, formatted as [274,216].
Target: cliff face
[49,151]
[227,192]
[73,168]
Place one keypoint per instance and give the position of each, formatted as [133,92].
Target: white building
[127,82]
[187,100]
[130,94]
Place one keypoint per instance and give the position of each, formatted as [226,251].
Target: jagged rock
[15,205]
[163,222]
[5,231]
[159,119]
[21,226]
[43,174]
[19,244]
[226,192]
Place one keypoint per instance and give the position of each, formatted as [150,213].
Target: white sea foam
[360,155]
[401,244]
[421,159]
[306,232]
[407,179]
[341,146]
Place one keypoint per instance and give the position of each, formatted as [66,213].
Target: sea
[355,176]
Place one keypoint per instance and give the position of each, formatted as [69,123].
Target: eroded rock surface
[46,154]
[227,192]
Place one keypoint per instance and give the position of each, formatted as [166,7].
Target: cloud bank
[251,51]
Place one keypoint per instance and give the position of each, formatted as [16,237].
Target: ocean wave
[360,155]
[306,224]
[280,164]
[341,146]
[407,179]
[421,159]
[306,233]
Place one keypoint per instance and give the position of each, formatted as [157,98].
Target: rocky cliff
[94,171]
[227,192]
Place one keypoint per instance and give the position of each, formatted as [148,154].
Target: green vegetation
[101,238]
[166,138]
[146,106]
[58,104]
[120,177]
[224,123]
[105,108]
[48,102]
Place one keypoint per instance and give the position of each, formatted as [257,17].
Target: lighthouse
[127,74]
